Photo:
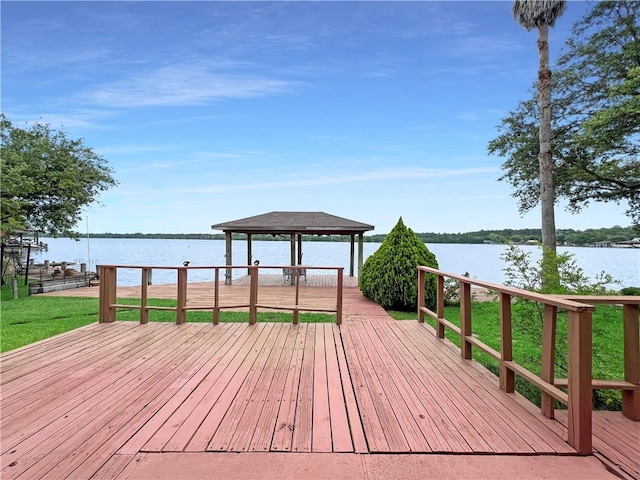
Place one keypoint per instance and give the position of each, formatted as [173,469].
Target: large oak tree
[47,178]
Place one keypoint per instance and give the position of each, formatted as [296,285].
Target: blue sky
[215,111]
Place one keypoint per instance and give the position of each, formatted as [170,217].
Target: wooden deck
[86,403]
[310,280]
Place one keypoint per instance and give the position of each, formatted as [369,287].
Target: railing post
[295,309]
[421,295]
[440,307]
[465,320]
[579,381]
[631,398]
[216,297]
[181,301]
[339,296]
[507,377]
[547,370]
[144,312]
[108,281]
[253,296]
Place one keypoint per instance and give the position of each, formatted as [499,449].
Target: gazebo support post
[360,253]
[299,249]
[228,257]
[293,257]
[352,255]
[249,254]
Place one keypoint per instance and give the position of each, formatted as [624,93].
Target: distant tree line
[564,236]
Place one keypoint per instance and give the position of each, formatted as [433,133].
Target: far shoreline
[566,237]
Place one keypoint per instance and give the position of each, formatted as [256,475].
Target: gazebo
[294,225]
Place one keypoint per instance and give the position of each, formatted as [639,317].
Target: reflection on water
[480,261]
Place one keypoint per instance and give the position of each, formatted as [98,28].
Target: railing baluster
[216,297]
[144,289]
[181,301]
[465,320]
[507,376]
[253,296]
[547,370]
[631,398]
[421,303]
[339,296]
[580,403]
[295,310]
[108,288]
[440,307]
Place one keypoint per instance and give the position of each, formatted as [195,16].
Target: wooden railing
[630,386]
[109,305]
[579,382]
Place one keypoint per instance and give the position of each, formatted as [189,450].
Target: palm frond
[537,13]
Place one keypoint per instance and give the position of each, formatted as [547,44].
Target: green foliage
[630,291]
[452,290]
[596,117]
[522,272]
[47,178]
[390,277]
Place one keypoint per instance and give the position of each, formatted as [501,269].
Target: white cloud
[184,84]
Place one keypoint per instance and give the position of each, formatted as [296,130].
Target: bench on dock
[288,272]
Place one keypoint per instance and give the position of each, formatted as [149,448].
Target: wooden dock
[91,402]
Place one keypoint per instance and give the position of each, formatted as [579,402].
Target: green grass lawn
[608,345]
[29,319]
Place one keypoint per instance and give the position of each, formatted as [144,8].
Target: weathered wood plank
[60,407]
[68,381]
[371,422]
[205,415]
[189,393]
[266,423]
[321,429]
[236,402]
[285,421]
[303,424]
[67,441]
[530,427]
[394,387]
[425,415]
[353,412]
[340,430]
[445,434]
[257,395]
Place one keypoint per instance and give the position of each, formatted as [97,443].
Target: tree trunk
[547,200]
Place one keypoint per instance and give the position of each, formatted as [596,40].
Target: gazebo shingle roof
[299,222]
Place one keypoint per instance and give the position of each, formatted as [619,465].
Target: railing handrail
[561,301]
[579,382]
[108,290]
[209,267]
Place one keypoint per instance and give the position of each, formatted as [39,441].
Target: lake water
[480,261]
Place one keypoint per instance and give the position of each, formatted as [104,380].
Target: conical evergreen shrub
[389,277]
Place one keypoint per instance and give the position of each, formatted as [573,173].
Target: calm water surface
[481,261]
